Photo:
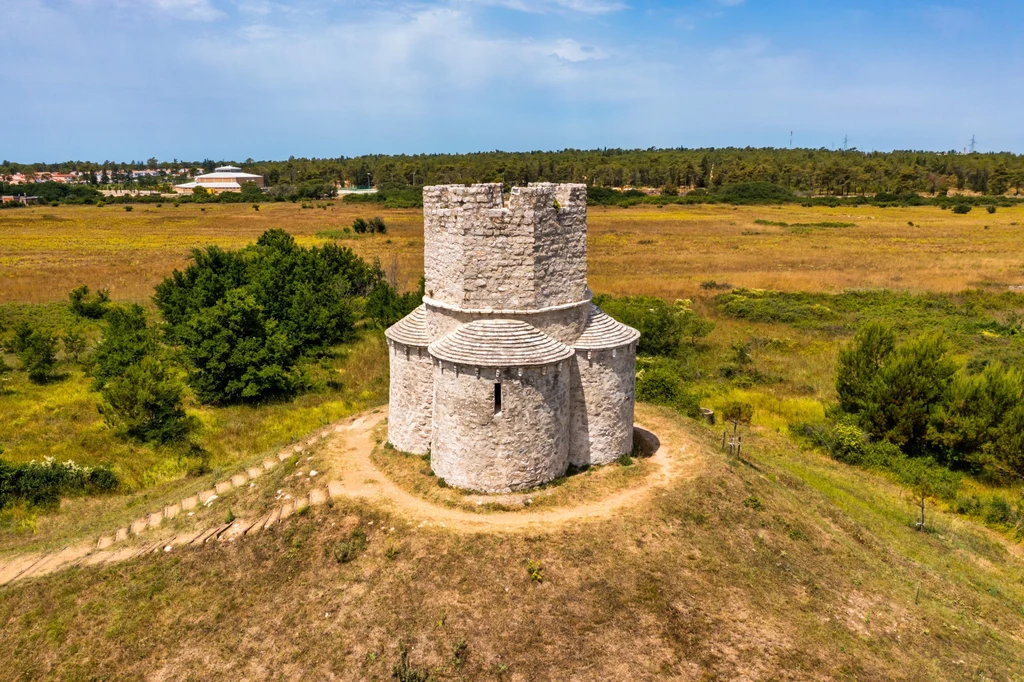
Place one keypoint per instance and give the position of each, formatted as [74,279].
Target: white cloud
[199,10]
[573,51]
[545,6]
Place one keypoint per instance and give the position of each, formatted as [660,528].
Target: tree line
[806,171]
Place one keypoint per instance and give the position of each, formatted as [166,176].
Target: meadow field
[667,251]
[785,564]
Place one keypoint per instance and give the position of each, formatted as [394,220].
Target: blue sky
[232,79]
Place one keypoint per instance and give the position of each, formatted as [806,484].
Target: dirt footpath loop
[678,457]
[347,446]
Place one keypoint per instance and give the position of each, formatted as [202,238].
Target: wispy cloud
[545,6]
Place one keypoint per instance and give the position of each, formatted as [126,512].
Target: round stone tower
[508,372]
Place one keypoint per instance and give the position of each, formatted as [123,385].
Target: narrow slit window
[497,398]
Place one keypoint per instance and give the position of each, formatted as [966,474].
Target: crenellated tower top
[528,254]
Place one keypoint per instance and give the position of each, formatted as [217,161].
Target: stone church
[508,373]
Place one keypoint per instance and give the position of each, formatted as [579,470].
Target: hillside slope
[782,566]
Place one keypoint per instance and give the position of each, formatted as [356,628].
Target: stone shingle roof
[411,330]
[499,343]
[604,332]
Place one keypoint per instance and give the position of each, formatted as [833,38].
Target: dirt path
[347,448]
[677,457]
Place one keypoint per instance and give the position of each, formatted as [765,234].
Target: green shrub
[89,306]
[662,327]
[773,306]
[895,392]
[385,306]
[754,193]
[73,341]
[961,208]
[43,484]
[37,351]
[997,511]
[126,339]
[237,354]
[246,317]
[144,404]
[990,209]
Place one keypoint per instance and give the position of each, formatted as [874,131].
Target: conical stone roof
[499,343]
[411,330]
[604,332]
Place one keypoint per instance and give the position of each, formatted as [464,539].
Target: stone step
[18,566]
[222,487]
[272,518]
[317,496]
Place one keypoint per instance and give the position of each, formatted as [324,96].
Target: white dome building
[508,373]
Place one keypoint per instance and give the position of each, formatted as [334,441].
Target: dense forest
[803,171]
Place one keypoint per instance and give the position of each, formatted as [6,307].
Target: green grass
[60,419]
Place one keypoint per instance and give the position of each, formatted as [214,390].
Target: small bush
[90,306]
[403,671]
[752,502]
[961,208]
[990,209]
[144,404]
[349,549]
[128,209]
[73,341]
[37,351]
[536,570]
[43,484]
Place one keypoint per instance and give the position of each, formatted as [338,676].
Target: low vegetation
[797,556]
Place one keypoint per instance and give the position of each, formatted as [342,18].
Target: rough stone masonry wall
[411,394]
[524,446]
[560,244]
[498,247]
[602,395]
[480,254]
[446,210]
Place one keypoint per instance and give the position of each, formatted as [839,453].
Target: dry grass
[784,566]
[45,252]
[642,250]
[821,578]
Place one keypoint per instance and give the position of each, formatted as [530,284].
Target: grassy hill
[783,565]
